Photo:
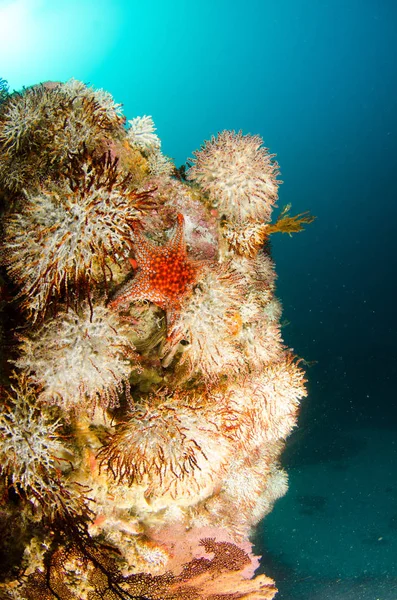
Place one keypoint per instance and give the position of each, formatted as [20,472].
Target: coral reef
[79,358]
[76,226]
[146,389]
[239,175]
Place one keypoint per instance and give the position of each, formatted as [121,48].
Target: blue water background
[318,80]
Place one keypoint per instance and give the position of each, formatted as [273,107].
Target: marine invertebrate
[216,571]
[238,174]
[160,165]
[200,225]
[265,404]
[3,90]
[141,133]
[29,439]
[183,357]
[206,325]
[282,386]
[76,228]
[259,336]
[80,359]
[165,273]
[263,343]
[167,444]
[35,454]
[287,224]
[249,490]
[44,125]
[245,239]
[256,413]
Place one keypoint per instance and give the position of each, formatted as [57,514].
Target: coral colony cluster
[146,391]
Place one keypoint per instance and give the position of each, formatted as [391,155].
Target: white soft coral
[239,175]
[80,359]
[141,134]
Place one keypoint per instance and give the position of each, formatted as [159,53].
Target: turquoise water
[317,80]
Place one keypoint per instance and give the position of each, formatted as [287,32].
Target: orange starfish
[165,273]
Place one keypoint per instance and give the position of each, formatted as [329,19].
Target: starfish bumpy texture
[165,273]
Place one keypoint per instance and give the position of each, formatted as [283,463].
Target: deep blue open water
[318,81]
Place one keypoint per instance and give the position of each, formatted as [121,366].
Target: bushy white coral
[104,103]
[208,322]
[281,386]
[244,239]
[260,334]
[169,444]
[276,487]
[80,358]
[19,120]
[57,118]
[272,311]
[263,343]
[238,174]
[160,165]
[141,134]
[73,235]
[266,404]
[29,440]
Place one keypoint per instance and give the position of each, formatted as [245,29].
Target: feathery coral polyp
[206,325]
[80,359]
[76,228]
[239,175]
[30,439]
[43,126]
[168,444]
[141,133]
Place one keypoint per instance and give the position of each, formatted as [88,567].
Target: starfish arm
[177,241]
[134,290]
[142,245]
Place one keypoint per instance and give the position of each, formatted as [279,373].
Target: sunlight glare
[45,40]
[14,19]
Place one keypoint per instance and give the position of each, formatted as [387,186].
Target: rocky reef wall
[146,389]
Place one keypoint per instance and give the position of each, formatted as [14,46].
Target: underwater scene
[197,300]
